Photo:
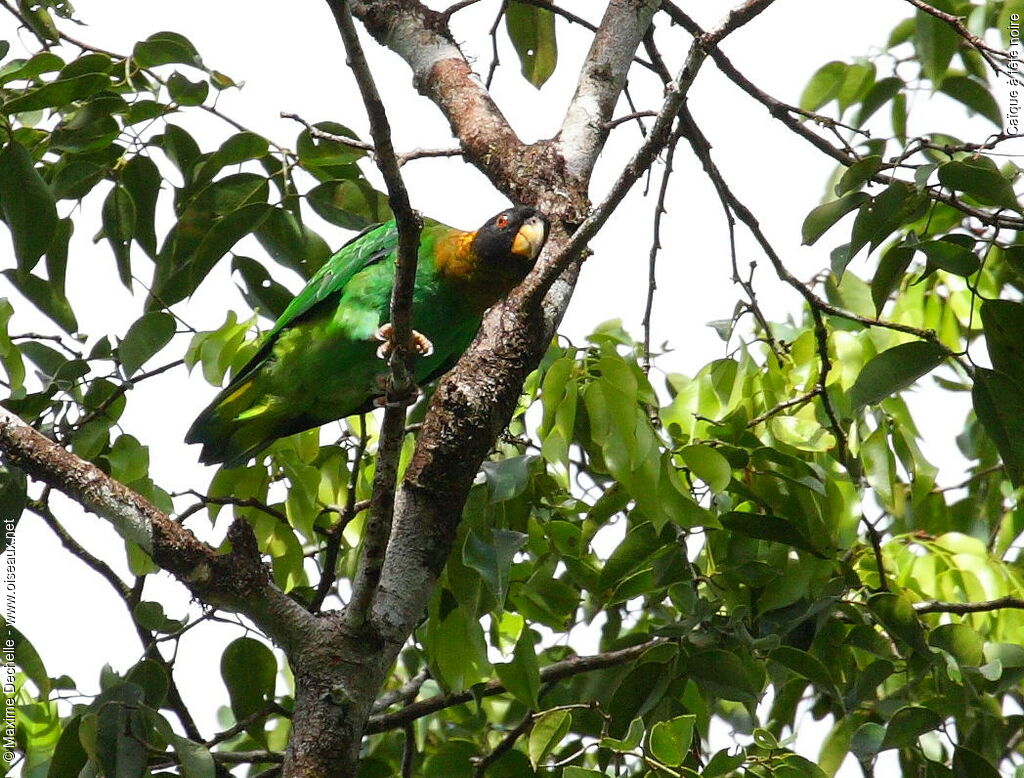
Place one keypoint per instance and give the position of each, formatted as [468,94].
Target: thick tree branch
[601,81]
[237,580]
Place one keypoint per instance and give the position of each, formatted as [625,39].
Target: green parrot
[322,359]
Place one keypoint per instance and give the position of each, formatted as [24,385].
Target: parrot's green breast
[319,362]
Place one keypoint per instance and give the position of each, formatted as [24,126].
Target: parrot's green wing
[216,426]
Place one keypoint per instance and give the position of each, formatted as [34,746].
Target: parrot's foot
[418,342]
[382,402]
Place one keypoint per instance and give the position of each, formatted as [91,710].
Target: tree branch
[601,80]
[937,606]
[957,23]
[400,389]
[237,580]
[553,672]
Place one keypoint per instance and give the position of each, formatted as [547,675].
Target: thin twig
[240,502]
[938,606]
[553,672]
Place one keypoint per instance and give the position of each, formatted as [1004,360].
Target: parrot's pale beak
[530,238]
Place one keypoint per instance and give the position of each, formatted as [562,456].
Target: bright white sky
[291,59]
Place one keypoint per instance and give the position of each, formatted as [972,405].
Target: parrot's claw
[418,342]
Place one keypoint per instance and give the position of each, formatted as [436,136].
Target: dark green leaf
[119,226]
[27,205]
[353,204]
[261,290]
[907,725]
[763,526]
[46,297]
[999,403]
[521,676]
[708,465]
[152,678]
[897,615]
[13,495]
[936,41]
[970,764]
[292,243]
[858,174]
[180,147]
[68,757]
[949,256]
[900,203]
[186,92]
[324,153]
[75,179]
[144,339]
[1003,321]
[961,642]
[631,554]
[891,271]
[893,370]
[532,32]
[822,218]
[975,96]
[867,740]
[162,48]
[727,675]
[507,478]
[980,178]
[141,180]
[59,93]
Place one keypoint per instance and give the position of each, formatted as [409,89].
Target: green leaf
[821,219]
[878,95]
[153,679]
[46,297]
[857,80]
[13,497]
[974,95]
[891,271]
[249,670]
[632,553]
[999,404]
[59,93]
[859,173]
[291,243]
[708,465]
[185,92]
[936,41]
[352,203]
[521,676]
[727,675]
[907,725]
[629,741]
[532,32]
[129,459]
[548,730]
[806,666]
[866,742]
[163,48]
[762,526]
[949,256]
[27,205]
[261,290]
[980,178]
[493,560]
[507,478]
[893,370]
[900,203]
[670,740]
[196,759]
[1003,321]
[69,757]
[823,86]
[319,154]
[141,181]
[145,338]
[970,764]
[961,642]
[897,615]
[119,226]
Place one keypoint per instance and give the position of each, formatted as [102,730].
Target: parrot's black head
[512,240]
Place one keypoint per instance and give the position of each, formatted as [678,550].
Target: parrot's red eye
[502,222]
